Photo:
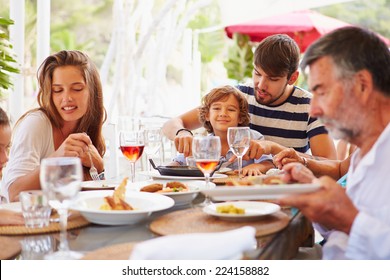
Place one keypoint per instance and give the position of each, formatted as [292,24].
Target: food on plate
[152,188]
[175,187]
[169,187]
[273,180]
[117,200]
[230,209]
[256,180]
[274,171]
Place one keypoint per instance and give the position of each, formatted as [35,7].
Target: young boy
[225,107]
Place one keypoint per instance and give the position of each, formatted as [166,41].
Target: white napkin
[197,246]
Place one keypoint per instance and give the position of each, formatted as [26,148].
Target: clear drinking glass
[206,152]
[132,145]
[153,143]
[239,139]
[60,179]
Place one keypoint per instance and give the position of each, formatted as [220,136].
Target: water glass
[61,181]
[153,145]
[239,139]
[35,208]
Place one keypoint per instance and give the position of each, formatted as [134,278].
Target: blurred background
[156,58]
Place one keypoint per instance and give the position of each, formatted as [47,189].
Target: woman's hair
[277,55]
[223,93]
[4,120]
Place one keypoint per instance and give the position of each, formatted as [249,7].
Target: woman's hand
[286,156]
[75,145]
[11,218]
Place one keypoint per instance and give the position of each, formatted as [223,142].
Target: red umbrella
[303,26]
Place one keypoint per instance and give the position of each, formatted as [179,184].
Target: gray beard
[339,133]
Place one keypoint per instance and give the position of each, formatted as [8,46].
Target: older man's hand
[296,172]
[329,206]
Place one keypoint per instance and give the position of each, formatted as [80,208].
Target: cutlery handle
[152,163]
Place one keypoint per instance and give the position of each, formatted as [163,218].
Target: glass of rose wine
[206,152]
[132,145]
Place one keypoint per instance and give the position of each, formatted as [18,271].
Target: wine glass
[239,139]
[206,152]
[61,179]
[132,145]
[153,141]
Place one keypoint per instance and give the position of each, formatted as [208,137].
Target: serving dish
[258,191]
[182,171]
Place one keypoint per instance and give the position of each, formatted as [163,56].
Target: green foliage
[66,40]
[239,65]
[374,14]
[211,44]
[82,25]
[8,62]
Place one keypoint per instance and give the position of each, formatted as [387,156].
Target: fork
[93,171]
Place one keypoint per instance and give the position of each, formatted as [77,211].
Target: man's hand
[257,148]
[296,172]
[329,206]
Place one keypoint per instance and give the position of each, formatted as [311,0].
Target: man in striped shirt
[279,110]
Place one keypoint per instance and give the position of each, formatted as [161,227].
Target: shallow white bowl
[88,204]
[253,210]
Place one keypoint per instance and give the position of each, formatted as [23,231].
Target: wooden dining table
[115,242]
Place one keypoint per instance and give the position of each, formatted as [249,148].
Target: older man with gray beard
[350,82]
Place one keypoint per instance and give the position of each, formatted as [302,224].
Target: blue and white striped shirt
[288,124]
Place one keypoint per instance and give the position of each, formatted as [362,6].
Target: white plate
[102,184]
[13,206]
[253,210]
[180,198]
[259,191]
[156,175]
[88,204]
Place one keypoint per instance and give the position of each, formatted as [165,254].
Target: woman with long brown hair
[68,122]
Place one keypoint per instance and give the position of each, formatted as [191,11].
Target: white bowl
[88,204]
[180,198]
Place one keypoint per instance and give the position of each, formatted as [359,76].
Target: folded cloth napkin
[197,246]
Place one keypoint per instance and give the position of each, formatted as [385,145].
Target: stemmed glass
[132,145]
[239,139]
[153,141]
[61,181]
[206,152]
